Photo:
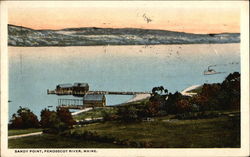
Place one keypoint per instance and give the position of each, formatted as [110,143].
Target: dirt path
[24,135]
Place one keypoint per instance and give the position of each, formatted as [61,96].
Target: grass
[219,132]
[55,141]
[95,113]
[12,132]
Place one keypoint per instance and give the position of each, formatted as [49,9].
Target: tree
[225,95]
[183,105]
[56,121]
[170,103]
[46,116]
[65,116]
[128,114]
[24,119]
[159,90]
[153,107]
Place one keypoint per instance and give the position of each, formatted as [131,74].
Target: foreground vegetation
[220,132]
[95,113]
[56,141]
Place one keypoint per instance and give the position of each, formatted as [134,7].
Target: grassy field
[95,113]
[55,141]
[203,133]
[162,132]
[12,132]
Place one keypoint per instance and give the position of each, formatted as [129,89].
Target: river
[33,70]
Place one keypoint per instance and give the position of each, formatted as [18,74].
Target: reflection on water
[33,70]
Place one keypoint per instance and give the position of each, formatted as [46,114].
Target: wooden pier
[79,93]
[90,98]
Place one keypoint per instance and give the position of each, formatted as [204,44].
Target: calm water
[33,70]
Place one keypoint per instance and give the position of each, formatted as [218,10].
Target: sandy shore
[138,97]
[186,93]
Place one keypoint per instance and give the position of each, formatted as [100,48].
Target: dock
[89,98]
[82,93]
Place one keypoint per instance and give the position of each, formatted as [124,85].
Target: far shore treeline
[211,97]
[94,36]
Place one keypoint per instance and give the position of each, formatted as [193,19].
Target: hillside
[21,36]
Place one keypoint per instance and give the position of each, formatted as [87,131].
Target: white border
[243,151]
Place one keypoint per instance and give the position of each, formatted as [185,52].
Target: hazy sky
[205,18]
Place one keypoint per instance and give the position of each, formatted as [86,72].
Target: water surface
[33,70]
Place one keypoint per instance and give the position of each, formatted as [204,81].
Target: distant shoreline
[92,36]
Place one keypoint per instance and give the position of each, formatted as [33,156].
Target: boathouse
[64,87]
[76,88]
[80,87]
[94,100]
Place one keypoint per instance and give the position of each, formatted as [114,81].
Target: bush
[220,96]
[46,121]
[128,114]
[108,116]
[58,121]
[24,119]
[65,117]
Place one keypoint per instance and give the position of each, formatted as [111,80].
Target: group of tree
[54,121]
[217,96]
[23,119]
[220,96]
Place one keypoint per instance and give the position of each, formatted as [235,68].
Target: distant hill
[21,36]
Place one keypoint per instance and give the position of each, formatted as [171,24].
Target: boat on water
[211,72]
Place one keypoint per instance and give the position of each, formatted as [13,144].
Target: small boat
[211,72]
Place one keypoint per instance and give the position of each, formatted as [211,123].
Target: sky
[201,18]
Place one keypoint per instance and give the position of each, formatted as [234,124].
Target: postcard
[124,78]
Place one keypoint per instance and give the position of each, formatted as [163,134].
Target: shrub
[24,119]
[58,121]
[128,114]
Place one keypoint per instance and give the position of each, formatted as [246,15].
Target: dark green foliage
[24,119]
[128,114]
[217,96]
[220,96]
[57,141]
[94,136]
[160,89]
[46,118]
[170,104]
[56,122]
[65,117]
[107,116]
[215,132]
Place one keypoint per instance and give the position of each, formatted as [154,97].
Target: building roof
[95,97]
[80,84]
[67,85]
